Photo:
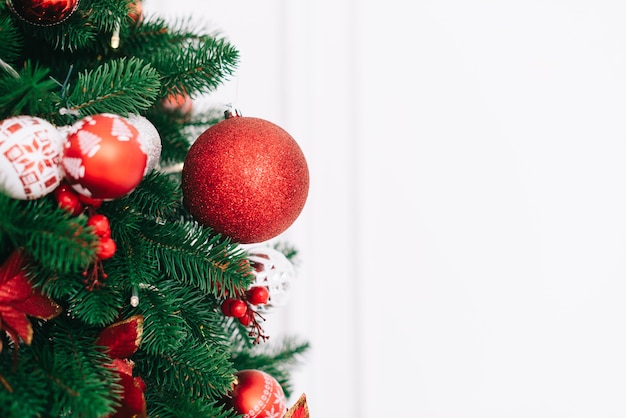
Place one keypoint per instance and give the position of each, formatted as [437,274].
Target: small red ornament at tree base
[256,394]
[43,12]
[246,178]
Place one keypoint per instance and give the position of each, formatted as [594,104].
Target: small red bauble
[135,10]
[100,224]
[258,295]
[43,12]
[103,158]
[246,178]
[234,307]
[68,199]
[106,248]
[237,308]
[256,394]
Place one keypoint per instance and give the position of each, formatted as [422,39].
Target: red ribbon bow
[18,300]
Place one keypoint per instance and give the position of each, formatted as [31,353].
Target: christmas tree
[130,286]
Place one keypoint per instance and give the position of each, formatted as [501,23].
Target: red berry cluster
[77,204]
[241,308]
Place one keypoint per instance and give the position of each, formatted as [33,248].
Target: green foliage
[190,61]
[60,374]
[32,92]
[120,86]
[58,242]
[170,405]
[10,40]
[179,270]
[277,360]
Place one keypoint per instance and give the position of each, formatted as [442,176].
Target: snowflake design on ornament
[89,143]
[121,130]
[273,414]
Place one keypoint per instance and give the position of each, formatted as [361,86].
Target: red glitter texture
[247,178]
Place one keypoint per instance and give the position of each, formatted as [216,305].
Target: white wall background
[464,242]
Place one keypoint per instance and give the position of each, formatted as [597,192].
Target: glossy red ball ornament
[103,158]
[256,394]
[246,178]
[43,12]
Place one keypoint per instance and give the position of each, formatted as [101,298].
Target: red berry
[68,199]
[100,225]
[106,248]
[226,306]
[246,319]
[258,295]
[238,308]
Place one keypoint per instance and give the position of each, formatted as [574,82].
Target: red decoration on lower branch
[256,394]
[120,341]
[18,300]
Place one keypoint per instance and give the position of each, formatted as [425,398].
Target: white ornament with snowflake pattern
[30,157]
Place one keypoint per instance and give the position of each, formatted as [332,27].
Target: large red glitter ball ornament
[246,178]
[256,394]
[103,158]
[30,157]
[43,12]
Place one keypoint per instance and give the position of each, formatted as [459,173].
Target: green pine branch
[197,256]
[164,329]
[189,60]
[197,68]
[164,404]
[278,360]
[80,383]
[11,41]
[120,86]
[31,92]
[57,241]
[199,371]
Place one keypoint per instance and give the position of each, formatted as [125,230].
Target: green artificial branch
[120,86]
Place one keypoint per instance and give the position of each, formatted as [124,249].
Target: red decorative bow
[120,341]
[18,300]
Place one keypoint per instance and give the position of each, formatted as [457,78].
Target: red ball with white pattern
[103,158]
[256,394]
[30,157]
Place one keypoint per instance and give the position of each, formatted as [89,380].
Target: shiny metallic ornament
[43,12]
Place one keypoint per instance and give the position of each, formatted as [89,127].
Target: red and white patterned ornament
[30,157]
[103,158]
[149,139]
[256,394]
